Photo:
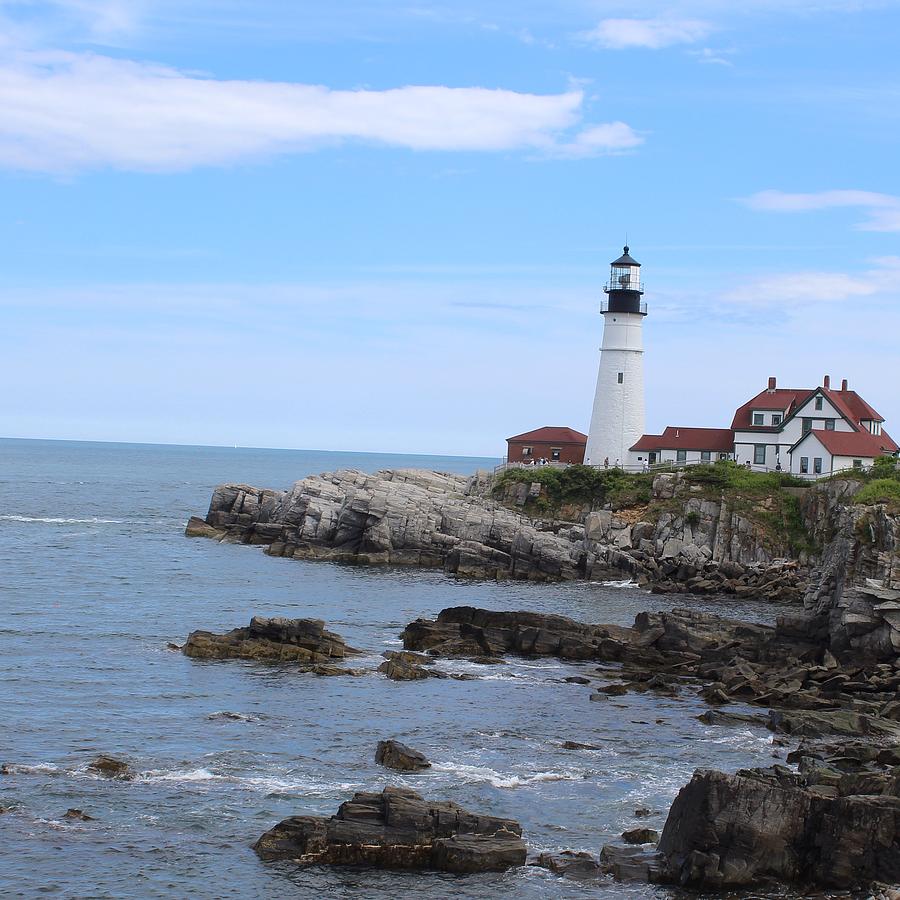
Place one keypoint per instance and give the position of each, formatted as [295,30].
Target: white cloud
[883,209]
[68,112]
[609,138]
[802,289]
[619,34]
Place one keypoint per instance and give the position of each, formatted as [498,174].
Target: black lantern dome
[624,289]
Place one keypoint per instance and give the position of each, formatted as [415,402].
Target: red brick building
[564,445]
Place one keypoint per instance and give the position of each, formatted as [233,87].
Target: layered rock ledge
[397,829]
[302,641]
[412,517]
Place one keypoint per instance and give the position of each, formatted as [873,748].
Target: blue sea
[96,578]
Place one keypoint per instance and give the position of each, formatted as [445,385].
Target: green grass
[582,484]
[880,490]
[726,476]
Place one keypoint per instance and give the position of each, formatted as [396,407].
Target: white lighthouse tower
[617,421]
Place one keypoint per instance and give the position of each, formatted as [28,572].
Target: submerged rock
[394,755]
[397,829]
[77,815]
[304,641]
[109,767]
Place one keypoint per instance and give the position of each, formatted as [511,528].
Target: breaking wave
[486,775]
[55,520]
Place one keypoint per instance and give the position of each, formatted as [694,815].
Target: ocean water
[96,577]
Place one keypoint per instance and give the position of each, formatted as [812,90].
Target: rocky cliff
[682,539]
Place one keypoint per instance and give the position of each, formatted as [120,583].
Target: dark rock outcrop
[735,830]
[394,755]
[397,829]
[303,641]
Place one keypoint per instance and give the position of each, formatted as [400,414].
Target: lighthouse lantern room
[617,420]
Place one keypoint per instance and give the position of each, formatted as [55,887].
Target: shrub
[880,490]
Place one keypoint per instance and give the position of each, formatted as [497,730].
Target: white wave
[39,769]
[270,784]
[626,583]
[54,520]
[484,774]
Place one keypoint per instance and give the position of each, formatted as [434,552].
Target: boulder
[569,863]
[394,755]
[109,767]
[640,836]
[397,829]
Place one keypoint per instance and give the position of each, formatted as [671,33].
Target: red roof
[551,435]
[852,405]
[785,399]
[720,440]
[848,403]
[853,443]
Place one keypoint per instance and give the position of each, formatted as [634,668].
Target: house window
[857,463]
[705,456]
[555,453]
[621,377]
[776,419]
[818,403]
[723,456]
[804,465]
[527,451]
[759,454]
[759,419]
[817,465]
[829,424]
[807,425]
[681,455]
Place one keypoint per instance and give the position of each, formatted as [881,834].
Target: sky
[371,225]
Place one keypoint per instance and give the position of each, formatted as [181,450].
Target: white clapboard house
[805,431]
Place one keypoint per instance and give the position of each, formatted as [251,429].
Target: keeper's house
[562,445]
[805,431]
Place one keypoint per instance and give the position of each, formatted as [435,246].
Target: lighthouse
[617,420]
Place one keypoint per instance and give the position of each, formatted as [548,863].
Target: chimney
[772,383]
[826,382]
[844,385]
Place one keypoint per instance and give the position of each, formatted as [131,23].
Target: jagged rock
[109,767]
[404,666]
[640,836]
[633,863]
[77,815]
[728,831]
[397,829]
[303,641]
[197,527]
[394,755]
[569,863]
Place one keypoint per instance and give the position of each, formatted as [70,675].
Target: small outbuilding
[556,444]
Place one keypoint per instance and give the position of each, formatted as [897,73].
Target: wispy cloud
[801,289]
[883,210]
[63,112]
[653,34]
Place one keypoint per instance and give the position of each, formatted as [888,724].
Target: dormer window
[759,419]
[818,403]
[776,419]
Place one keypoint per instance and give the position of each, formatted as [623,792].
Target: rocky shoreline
[826,674]
[411,517]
